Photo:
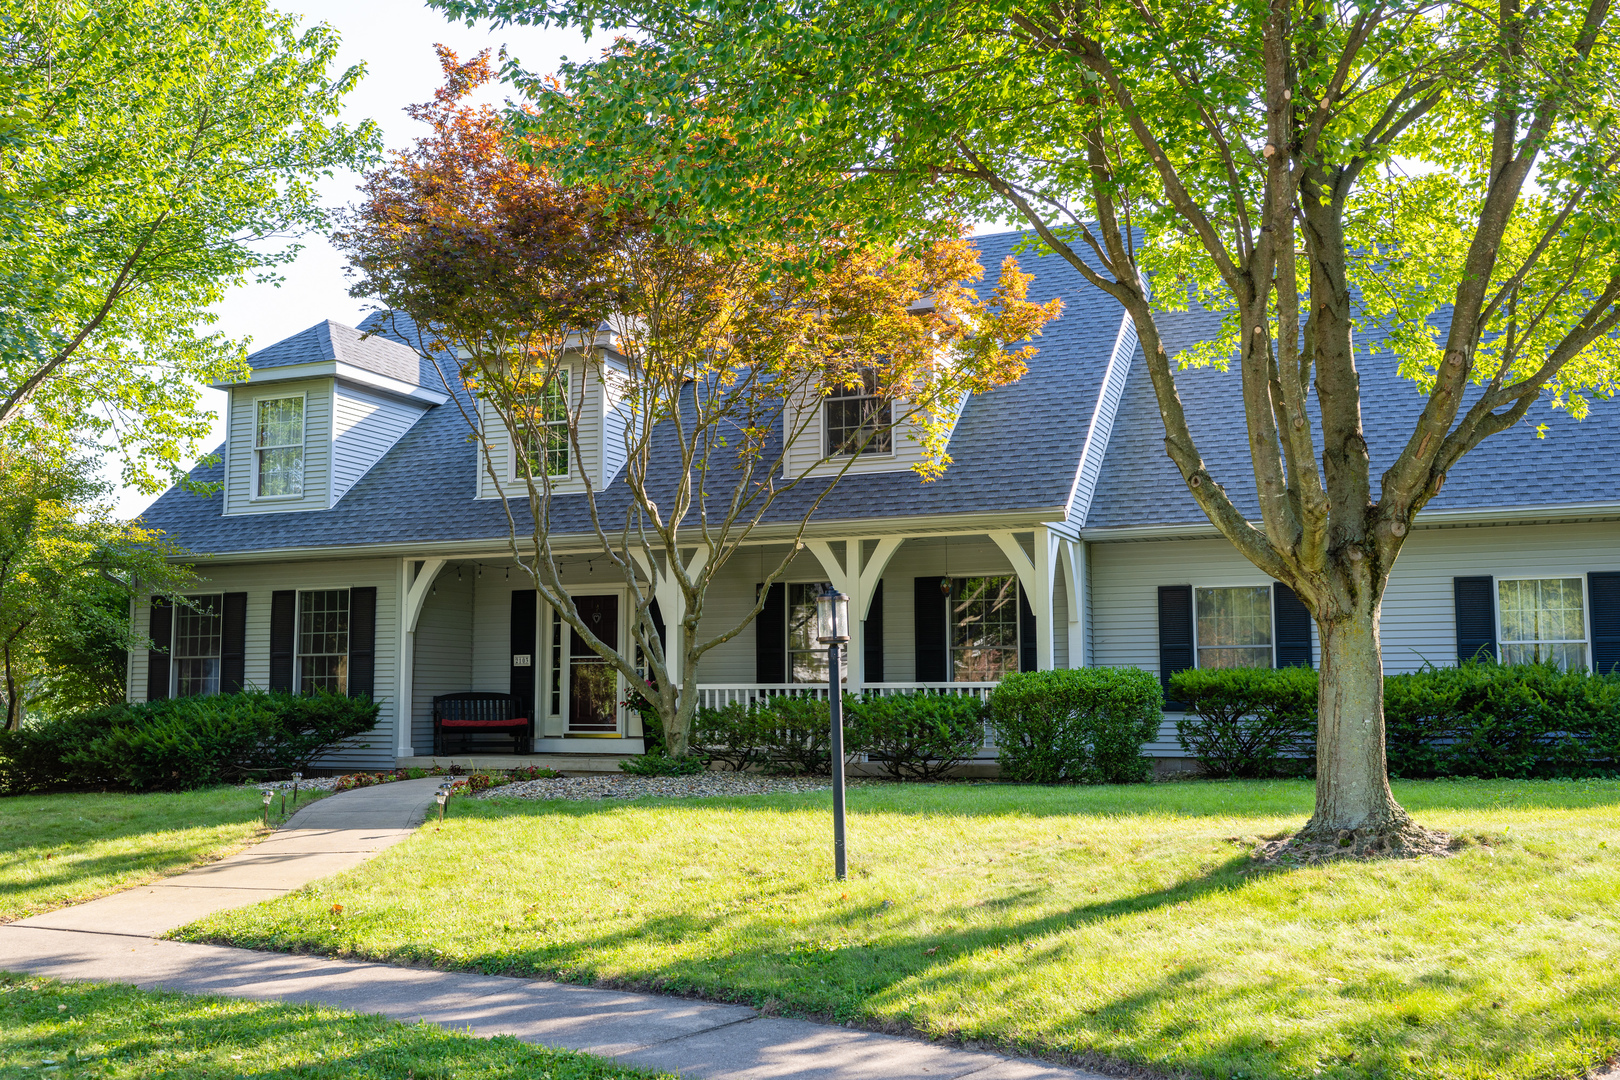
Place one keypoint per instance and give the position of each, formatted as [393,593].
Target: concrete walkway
[112,940]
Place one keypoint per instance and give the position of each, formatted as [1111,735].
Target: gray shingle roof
[1015,448]
[1575,463]
[327,341]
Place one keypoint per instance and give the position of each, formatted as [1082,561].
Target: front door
[593,685]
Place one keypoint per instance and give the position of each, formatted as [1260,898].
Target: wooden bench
[473,713]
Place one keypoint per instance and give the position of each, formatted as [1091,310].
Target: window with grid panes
[196,651]
[278,442]
[543,424]
[1542,619]
[984,627]
[323,640]
[858,418]
[1234,627]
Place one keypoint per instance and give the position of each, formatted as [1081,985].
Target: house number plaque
[520,659]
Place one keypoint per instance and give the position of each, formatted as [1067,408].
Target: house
[356,544]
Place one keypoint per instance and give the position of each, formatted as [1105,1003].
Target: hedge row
[181,743]
[1084,726]
[1480,719]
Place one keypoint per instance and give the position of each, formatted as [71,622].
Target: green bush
[1247,722]
[183,743]
[797,734]
[1084,726]
[661,764]
[1499,721]
[732,735]
[917,736]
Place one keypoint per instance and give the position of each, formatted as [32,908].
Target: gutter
[1426,519]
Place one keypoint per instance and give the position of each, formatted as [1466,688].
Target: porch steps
[568,764]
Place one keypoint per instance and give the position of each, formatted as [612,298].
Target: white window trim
[828,457]
[174,635]
[1586,609]
[950,624]
[254,448]
[298,635]
[1271,604]
[515,452]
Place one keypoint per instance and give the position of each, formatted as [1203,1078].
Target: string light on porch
[832,630]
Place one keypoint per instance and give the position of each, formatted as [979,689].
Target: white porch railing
[719,695]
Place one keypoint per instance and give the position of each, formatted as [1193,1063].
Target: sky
[394,40]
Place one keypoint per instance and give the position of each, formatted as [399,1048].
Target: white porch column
[671,603]
[1038,577]
[412,593]
[1074,577]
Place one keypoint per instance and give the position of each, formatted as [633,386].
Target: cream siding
[805,424]
[365,426]
[375,749]
[241,459]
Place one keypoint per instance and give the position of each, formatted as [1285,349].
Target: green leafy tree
[152,152]
[68,571]
[1440,174]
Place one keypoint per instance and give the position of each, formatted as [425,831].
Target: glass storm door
[593,686]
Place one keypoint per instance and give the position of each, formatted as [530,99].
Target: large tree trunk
[1352,788]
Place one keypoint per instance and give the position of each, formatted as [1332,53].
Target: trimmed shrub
[1502,721]
[661,764]
[917,736]
[732,735]
[183,743]
[1247,722]
[1084,726]
[797,734]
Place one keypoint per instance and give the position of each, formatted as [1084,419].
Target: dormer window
[278,447]
[858,419]
[543,428]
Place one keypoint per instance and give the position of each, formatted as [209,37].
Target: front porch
[941,613]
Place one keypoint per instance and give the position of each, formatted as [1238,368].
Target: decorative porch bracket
[857,577]
[417,592]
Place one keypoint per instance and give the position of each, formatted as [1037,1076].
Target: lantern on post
[832,630]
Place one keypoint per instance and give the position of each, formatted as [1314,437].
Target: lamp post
[832,630]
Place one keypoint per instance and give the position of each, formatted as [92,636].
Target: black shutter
[233,642]
[1476,618]
[1026,634]
[872,638]
[1603,591]
[657,616]
[283,627]
[161,631]
[770,636]
[524,608]
[1175,635]
[363,642]
[931,620]
[1293,627]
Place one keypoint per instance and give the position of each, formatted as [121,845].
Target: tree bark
[1352,786]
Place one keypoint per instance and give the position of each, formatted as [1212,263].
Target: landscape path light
[297,776]
[267,796]
[832,630]
[443,796]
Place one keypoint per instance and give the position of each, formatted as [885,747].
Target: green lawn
[73,1030]
[64,849]
[1122,924]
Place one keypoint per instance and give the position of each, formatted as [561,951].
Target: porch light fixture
[268,794]
[832,630]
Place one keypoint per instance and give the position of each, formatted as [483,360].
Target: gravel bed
[703,785]
[322,783]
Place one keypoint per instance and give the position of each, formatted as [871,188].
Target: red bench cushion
[520,722]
